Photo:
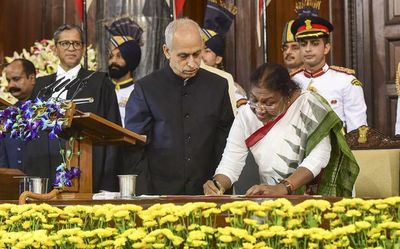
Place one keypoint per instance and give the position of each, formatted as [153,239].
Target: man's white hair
[172,27]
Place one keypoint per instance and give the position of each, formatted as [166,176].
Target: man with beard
[184,111]
[124,58]
[337,85]
[21,76]
[291,50]
[125,55]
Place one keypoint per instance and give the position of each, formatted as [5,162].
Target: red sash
[263,131]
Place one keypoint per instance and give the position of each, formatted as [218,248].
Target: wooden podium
[4,104]
[91,130]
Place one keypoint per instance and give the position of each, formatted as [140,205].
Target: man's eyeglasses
[67,44]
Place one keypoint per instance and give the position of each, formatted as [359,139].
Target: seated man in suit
[21,76]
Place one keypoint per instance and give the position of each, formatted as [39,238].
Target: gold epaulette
[296,72]
[343,70]
[241,102]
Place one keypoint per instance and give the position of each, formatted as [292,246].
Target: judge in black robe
[43,154]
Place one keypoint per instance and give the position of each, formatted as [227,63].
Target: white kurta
[268,152]
[345,98]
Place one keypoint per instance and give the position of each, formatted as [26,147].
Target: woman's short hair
[273,77]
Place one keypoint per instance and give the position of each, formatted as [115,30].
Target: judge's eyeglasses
[67,44]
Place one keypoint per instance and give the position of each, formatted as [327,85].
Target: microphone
[47,88]
[66,86]
[61,85]
[82,84]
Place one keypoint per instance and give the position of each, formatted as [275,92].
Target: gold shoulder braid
[343,70]
[356,82]
[398,80]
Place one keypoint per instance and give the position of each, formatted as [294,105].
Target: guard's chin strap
[122,83]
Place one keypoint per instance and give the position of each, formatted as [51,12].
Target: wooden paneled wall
[25,21]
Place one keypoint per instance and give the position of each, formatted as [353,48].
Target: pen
[216,184]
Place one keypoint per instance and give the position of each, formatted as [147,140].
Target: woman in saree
[295,138]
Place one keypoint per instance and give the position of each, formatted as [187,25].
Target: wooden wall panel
[25,21]
[279,12]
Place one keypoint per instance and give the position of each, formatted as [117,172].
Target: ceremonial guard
[337,85]
[217,20]
[125,55]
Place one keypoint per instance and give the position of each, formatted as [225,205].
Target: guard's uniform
[341,89]
[123,92]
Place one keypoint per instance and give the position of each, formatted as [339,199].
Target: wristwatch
[288,185]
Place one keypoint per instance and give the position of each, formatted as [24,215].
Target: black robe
[187,124]
[43,155]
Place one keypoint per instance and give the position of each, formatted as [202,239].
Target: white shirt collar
[70,74]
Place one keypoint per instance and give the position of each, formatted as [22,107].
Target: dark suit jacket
[43,155]
[187,124]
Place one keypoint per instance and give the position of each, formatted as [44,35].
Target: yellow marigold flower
[312,245]
[392,200]
[139,245]
[225,238]
[193,227]
[353,213]
[293,223]
[338,209]
[150,223]
[382,206]
[196,235]
[47,226]
[149,239]
[124,214]
[260,213]
[265,234]
[26,224]
[288,241]
[374,211]
[77,221]
[363,224]
[158,245]
[207,229]
[250,222]
[330,216]
[75,240]
[169,218]
[369,218]
[280,212]
[176,240]
[247,245]
[120,242]
[389,225]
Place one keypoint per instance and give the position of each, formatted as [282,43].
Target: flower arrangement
[350,223]
[25,122]
[42,56]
